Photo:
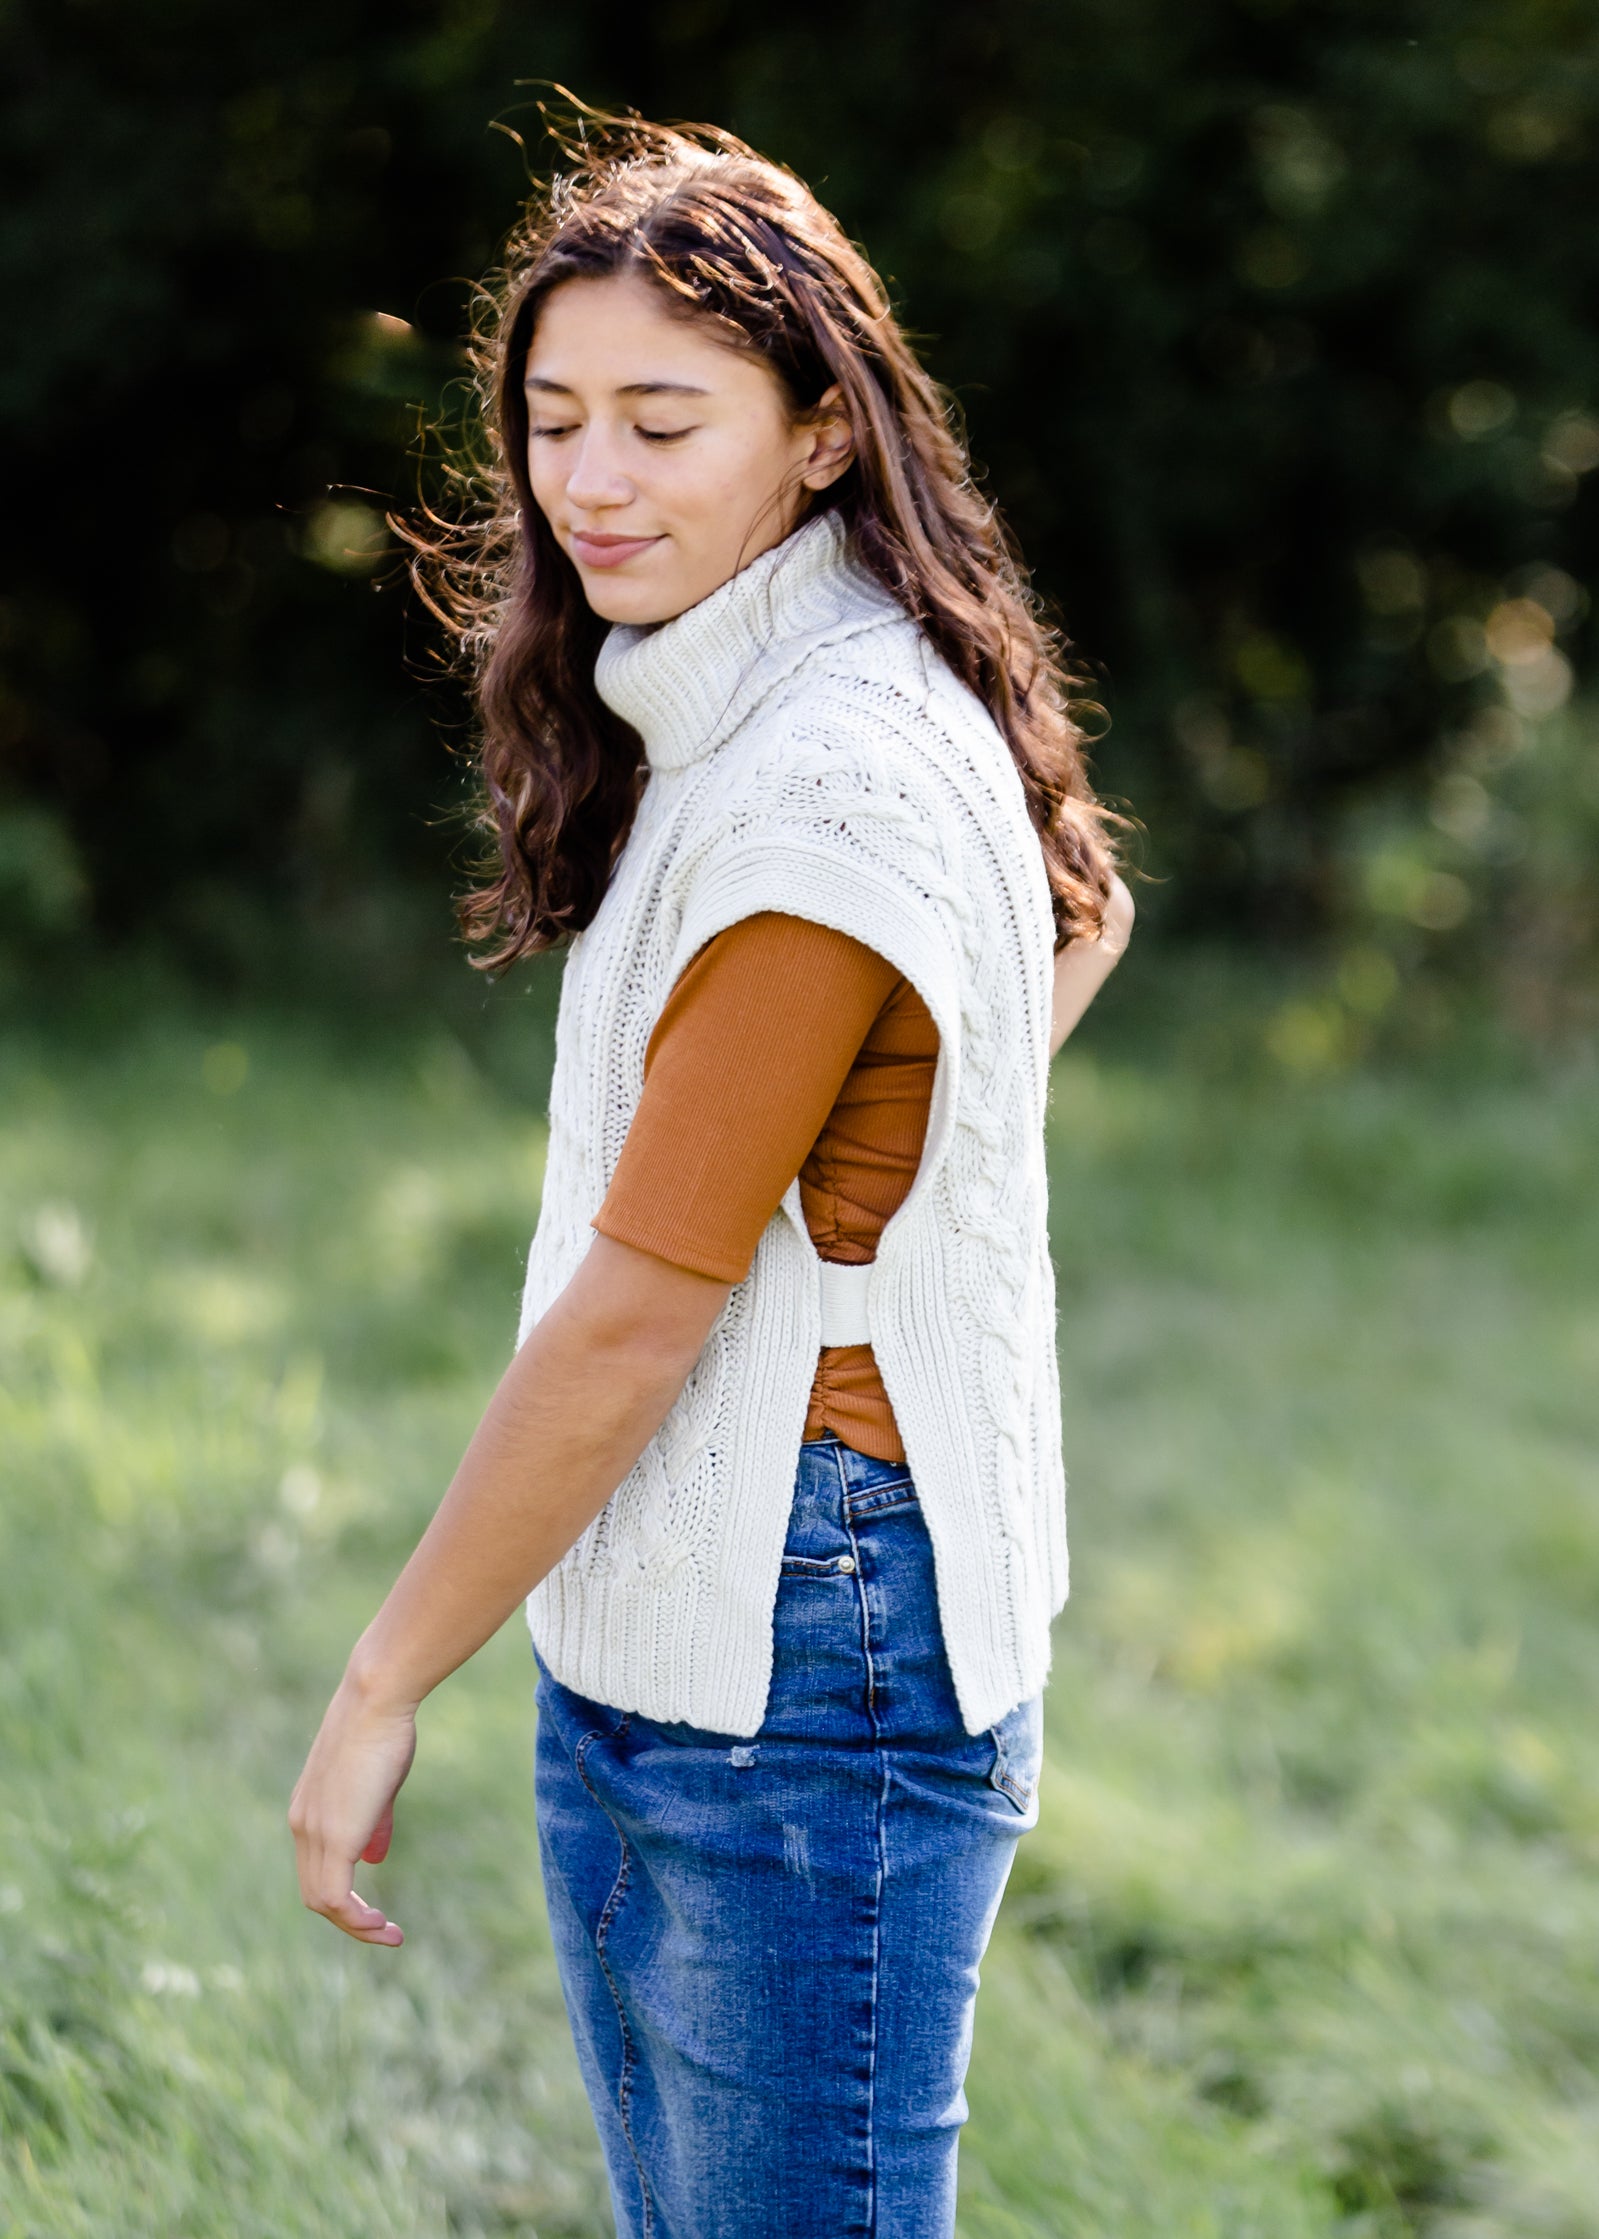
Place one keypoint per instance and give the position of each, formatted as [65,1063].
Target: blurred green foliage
[1304,1944]
[1271,320]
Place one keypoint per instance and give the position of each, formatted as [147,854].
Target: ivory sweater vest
[810,752]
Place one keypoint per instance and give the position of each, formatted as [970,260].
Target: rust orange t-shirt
[784,1048]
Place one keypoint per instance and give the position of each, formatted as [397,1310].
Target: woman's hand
[1082,967]
[343,1807]
[1119,915]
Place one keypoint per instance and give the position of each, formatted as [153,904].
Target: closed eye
[549,431]
[665,435]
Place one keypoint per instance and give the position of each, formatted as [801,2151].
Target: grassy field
[1307,1942]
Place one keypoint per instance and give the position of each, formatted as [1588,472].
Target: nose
[596,480]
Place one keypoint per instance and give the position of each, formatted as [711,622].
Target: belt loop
[840,1466]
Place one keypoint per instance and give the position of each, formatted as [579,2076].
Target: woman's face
[663,460]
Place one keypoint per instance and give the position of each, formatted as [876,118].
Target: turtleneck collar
[686,685]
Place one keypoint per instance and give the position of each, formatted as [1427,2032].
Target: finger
[391,1935]
[368,1924]
[325,1886]
[382,1835]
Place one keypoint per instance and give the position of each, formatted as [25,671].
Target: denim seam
[1008,1786]
[882,1862]
[624,2088]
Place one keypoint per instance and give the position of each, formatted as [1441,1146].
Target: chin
[615,600]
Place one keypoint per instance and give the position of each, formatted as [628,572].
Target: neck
[686,685]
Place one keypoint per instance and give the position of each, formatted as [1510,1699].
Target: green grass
[1307,1940]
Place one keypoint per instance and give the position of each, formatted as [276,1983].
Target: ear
[832,445]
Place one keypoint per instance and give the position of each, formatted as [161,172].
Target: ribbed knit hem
[644,1237]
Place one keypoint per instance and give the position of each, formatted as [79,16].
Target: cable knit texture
[811,752]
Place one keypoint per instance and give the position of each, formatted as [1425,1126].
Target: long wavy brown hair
[743,245]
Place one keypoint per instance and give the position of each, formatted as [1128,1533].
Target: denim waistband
[864,1481]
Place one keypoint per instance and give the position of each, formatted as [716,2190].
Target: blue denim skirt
[769,1946]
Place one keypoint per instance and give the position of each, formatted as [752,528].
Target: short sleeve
[819,830]
[744,1065]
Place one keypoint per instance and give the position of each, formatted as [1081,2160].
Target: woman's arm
[580,1401]
[742,1069]
[1083,967]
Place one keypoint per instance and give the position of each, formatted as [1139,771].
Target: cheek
[729,477]
[540,477]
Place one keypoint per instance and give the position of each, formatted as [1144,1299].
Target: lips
[593,550]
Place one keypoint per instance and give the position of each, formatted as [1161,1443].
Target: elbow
[644,1320]
[630,1349]
[649,1351]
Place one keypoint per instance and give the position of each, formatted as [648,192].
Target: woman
[770,727]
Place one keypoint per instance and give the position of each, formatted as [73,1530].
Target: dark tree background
[1271,320]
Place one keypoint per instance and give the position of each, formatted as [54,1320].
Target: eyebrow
[631,388]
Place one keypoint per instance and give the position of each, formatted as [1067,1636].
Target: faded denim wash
[769,1947]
